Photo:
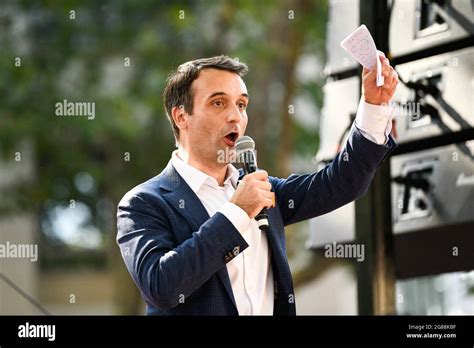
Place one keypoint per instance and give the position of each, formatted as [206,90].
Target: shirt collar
[196,178]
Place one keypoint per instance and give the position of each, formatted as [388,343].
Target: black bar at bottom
[141,330]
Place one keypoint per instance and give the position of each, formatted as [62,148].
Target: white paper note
[361,46]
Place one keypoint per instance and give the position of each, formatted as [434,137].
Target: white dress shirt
[375,121]
[250,272]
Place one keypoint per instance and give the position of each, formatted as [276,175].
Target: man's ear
[180,117]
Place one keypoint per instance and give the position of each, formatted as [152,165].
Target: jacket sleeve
[344,180]
[164,271]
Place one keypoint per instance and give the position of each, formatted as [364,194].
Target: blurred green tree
[117,54]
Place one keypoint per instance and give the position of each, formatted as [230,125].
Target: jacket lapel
[279,262]
[281,269]
[181,196]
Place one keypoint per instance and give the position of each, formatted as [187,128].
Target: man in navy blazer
[188,236]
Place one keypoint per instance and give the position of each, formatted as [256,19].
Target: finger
[393,88]
[388,93]
[384,60]
[263,185]
[267,195]
[266,198]
[268,202]
[389,81]
[393,79]
[260,175]
[369,76]
[388,88]
[386,70]
[395,76]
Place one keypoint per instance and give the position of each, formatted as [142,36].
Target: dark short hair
[178,91]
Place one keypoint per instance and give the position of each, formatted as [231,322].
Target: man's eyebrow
[245,95]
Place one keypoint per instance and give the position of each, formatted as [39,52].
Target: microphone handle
[262,220]
[250,166]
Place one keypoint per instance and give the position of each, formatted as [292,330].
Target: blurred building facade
[418,218]
[19,276]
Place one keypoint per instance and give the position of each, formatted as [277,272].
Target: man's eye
[242,105]
[218,103]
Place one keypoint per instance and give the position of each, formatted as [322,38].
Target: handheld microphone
[245,149]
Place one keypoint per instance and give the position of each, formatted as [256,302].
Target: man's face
[219,114]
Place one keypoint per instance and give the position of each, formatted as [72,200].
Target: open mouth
[231,138]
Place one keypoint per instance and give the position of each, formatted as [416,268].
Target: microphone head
[244,143]
[245,151]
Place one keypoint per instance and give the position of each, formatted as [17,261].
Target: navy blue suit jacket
[177,254]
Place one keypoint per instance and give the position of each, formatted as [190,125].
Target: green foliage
[82,59]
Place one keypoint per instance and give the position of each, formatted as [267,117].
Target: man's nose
[234,115]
